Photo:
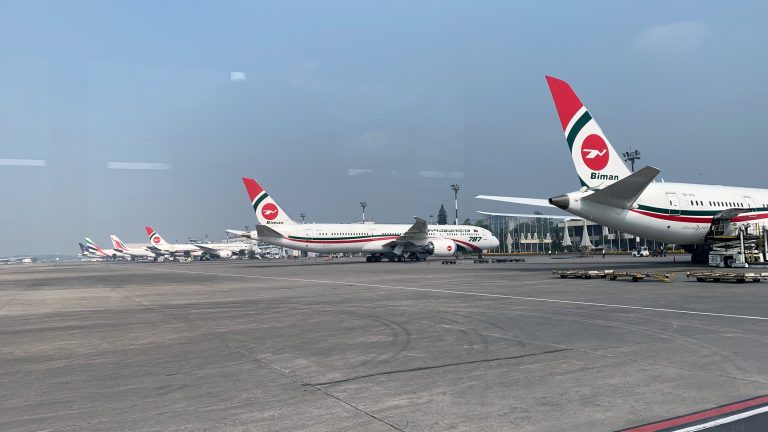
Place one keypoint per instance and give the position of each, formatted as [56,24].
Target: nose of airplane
[561,201]
[494,242]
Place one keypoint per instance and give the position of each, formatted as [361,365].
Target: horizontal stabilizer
[540,216]
[625,192]
[264,231]
[517,200]
[236,232]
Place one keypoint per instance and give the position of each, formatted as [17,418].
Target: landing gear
[373,258]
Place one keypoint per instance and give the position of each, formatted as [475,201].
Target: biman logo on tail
[595,155]
[594,152]
[269,211]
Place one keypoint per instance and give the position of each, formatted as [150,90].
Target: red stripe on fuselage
[675,218]
[700,219]
[470,245]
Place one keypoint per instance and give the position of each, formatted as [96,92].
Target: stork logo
[594,152]
[450,248]
[269,211]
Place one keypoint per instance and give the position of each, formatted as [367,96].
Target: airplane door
[308,232]
[674,204]
[749,202]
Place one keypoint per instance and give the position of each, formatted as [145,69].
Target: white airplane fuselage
[372,238]
[139,253]
[679,213]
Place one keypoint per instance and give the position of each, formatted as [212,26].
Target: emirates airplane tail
[597,162]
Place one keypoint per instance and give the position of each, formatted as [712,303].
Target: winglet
[625,192]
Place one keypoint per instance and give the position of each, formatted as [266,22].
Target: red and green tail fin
[267,210]
[154,237]
[93,247]
[117,244]
[597,162]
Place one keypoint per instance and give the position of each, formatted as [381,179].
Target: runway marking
[537,299]
[716,416]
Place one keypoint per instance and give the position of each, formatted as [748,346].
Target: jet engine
[224,254]
[441,248]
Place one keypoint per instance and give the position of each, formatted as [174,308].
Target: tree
[442,216]
[467,221]
[481,223]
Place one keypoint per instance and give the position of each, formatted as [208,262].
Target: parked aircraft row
[158,247]
[681,213]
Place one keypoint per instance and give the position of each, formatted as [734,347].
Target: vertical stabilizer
[154,238]
[267,210]
[117,244]
[597,162]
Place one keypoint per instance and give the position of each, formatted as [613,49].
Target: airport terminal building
[543,235]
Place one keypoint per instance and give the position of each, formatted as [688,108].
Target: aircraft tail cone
[561,201]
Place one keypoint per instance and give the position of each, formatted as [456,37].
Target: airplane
[203,251]
[682,213]
[159,245]
[227,250]
[95,250]
[84,252]
[396,242]
[15,260]
[133,252]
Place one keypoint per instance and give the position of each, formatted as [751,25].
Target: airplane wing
[540,202]
[568,217]
[417,234]
[236,232]
[205,248]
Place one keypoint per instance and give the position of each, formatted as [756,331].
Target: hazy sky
[331,103]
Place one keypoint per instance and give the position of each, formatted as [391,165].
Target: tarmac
[345,345]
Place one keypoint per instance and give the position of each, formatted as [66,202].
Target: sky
[126,114]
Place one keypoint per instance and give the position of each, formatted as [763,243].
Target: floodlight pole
[631,156]
[363,204]
[456,188]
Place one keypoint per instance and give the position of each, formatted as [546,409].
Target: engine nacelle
[441,248]
[224,254]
